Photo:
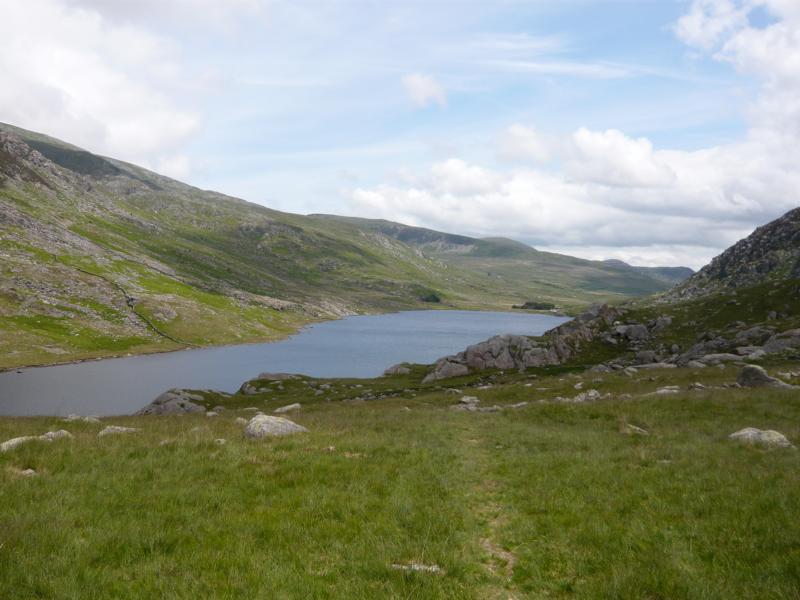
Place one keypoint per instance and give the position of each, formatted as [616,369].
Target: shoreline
[188,348]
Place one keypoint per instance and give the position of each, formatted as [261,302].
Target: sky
[653,131]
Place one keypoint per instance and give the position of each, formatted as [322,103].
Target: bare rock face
[268,426]
[755,376]
[174,402]
[768,438]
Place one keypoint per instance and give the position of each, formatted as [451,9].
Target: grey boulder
[268,426]
[755,376]
[768,437]
[174,402]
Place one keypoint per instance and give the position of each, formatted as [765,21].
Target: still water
[360,346]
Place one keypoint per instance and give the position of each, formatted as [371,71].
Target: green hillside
[101,257]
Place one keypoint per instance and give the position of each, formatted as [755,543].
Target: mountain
[538,275]
[102,257]
[770,254]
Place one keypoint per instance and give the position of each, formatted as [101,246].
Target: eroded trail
[489,510]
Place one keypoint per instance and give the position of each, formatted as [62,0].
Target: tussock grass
[547,501]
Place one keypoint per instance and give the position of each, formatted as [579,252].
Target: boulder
[695,364]
[633,332]
[719,357]
[646,356]
[288,408]
[174,402]
[115,429]
[769,437]
[268,426]
[470,400]
[657,365]
[71,417]
[755,376]
[587,396]
[17,441]
[782,341]
[45,437]
[55,435]
[446,368]
[398,369]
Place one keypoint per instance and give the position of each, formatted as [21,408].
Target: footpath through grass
[546,501]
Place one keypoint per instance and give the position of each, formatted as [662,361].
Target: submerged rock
[267,426]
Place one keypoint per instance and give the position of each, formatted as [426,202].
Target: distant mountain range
[103,257]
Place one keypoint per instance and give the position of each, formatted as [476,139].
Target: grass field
[546,501]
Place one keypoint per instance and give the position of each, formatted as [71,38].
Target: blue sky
[655,131]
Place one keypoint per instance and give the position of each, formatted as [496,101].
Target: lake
[359,346]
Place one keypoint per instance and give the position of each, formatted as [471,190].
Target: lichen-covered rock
[755,376]
[174,402]
[268,426]
[769,437]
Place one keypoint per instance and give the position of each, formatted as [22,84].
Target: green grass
[548,501]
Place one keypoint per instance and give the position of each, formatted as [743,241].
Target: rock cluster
[174,402]
[519,352]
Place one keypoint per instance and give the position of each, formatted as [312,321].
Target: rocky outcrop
[755,376]
[174,402]
[770,252]
[267,426]
[555,347]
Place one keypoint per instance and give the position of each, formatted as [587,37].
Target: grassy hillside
[547,500]
[100,257]
[526,273]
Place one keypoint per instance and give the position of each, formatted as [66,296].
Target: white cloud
[710,20]
[208,12]
[608,195]
[609,157]
[561,67]
[424,90]
[76,76]
[519,143]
